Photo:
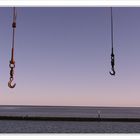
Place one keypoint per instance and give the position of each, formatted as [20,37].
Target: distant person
[99,114]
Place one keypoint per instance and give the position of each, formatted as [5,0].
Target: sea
[49,126]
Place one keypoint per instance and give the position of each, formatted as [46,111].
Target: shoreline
[69,106]
[81,119]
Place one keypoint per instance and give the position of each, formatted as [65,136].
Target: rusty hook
[10,83]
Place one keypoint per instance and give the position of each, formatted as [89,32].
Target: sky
[62,56]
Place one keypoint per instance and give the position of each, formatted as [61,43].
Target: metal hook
[10,83]
[11,76]
[112,63]
[113,72]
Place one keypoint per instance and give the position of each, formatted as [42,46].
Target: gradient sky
[63,56]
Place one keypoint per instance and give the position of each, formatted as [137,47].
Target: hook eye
[12,65]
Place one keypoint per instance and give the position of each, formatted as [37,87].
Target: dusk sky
[63,56]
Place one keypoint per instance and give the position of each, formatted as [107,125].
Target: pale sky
[63,57]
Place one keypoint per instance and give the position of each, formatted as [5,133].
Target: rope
[13,39]
[112,38]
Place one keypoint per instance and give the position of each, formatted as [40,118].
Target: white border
[69,3]
[70,137]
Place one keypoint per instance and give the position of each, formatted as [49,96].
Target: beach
[17,126]
[62,119]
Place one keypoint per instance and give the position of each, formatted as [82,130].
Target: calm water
[10,126]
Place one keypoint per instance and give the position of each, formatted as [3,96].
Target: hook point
[10,84]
